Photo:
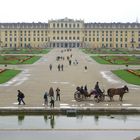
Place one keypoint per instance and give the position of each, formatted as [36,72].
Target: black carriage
[78,96]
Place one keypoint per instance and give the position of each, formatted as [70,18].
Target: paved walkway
[37,78]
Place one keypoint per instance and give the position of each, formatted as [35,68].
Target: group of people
[60,67]
[60,58]
[49,97]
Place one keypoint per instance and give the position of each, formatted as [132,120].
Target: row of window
[70,33]
[115,34]
[108,35]
[15,32]
[119,45]
[25,35]
[69,44]
[15,45]
[65,25]
[66,32]
[116,45]
[74,38]
[27,39]
[111,39]
[86,32]
[66,38]
[72,45]
[110,32]
[89,32]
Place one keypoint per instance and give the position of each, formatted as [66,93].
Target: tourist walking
[59,67]
[51,92]
[57,94]
[69,62]
[85,67]
[50,66]
[46,98]
[62,67]
[20,96]
[52,102]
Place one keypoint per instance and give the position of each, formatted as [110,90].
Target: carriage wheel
[102,98]
[96,99]
[78,97]
[99,99]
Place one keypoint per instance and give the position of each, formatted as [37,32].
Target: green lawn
[7,75]
[117,60]
[109,51]
[19,59]
[24,51]
[99,60]
[32,60]
[128,77]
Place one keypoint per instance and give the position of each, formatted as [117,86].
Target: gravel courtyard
[35,79]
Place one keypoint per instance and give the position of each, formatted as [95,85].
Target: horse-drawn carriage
[93,95]
[98,97]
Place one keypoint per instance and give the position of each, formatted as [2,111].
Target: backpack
[22,95]
[45,96]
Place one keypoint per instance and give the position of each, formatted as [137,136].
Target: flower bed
[2,70]
[22,60]
[133,72]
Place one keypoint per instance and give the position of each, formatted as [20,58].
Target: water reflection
[46,118]
[21,119]
[79,117]
[96,119]
[51,119]
[48,121]
[118,117]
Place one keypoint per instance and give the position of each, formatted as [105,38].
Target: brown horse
[117,91]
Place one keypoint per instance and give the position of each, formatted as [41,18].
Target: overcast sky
[87,10]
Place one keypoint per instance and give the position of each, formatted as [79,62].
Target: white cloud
[89,10]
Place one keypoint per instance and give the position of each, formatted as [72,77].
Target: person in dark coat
[46,98]
[57,94]
[52,102]
[85,88]
[97,88]
[62,67]
[59,67]
[51,92]
[20,96]
[50,66]
[85,67]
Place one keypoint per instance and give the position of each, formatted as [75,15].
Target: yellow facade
[70,33]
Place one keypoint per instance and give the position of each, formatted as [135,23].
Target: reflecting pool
[70,122]
[62,127]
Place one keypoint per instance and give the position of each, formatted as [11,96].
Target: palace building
[70,33]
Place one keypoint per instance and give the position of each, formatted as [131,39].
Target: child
[52,102]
